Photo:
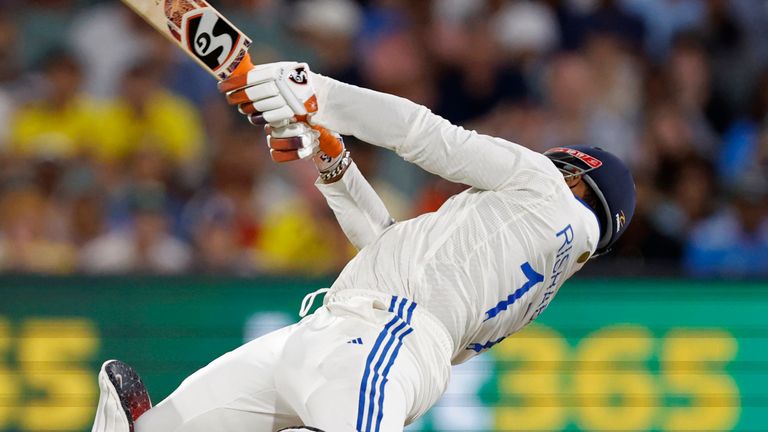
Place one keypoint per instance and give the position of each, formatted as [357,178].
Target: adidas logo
[358,341]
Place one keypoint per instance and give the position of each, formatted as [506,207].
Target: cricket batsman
[420,295]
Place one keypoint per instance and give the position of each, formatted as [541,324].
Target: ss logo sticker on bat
[210,38]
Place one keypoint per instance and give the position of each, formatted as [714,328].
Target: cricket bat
[210,39]
[201,31]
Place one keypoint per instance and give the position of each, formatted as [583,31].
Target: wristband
[336,173]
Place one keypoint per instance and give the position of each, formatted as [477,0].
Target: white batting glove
[274,93]
[300,140]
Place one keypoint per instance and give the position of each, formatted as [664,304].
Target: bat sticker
[210,38]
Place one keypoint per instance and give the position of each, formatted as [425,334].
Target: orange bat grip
[244,66]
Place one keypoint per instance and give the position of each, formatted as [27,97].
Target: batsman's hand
[274,93]
[299,140]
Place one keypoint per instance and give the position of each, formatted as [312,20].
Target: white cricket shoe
[122,400]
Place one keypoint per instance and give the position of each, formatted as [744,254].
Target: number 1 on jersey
[533,278]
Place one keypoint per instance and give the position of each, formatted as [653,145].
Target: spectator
[690,84]
[299,233]
[10,67]
[525,29]
[669,85]
[667,140]
[6,108]
[646,244]
[745,145]
[112,25]
[60,123]
[8,73]
[733,68]
[224,218]
[368,159]
[391,57]
[610,18]
[148,116]
[264,22]
[42,24]
[664,19]
[221,244]
[478,80]
[733,242]
[26,245]
[617,100]
[569,97]
[87,218]
[144,246]
[329,27]
[148,168]
[688,197]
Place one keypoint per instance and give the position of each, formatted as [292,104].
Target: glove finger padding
[299,140]
[284,156]
[280,91]
[247,109]
[296,140]
[281,94]
[284,144]
[257,120]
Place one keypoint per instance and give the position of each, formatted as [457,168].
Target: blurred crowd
[117,155]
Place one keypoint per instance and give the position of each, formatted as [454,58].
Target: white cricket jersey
[491,259]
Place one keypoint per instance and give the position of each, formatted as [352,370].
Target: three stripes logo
[370,411]
[356,341]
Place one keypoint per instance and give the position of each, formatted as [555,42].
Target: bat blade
[201,31]
[209,38]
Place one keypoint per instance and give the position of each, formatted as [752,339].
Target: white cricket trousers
[364,362]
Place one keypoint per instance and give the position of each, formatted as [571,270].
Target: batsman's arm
[286,92]
[423,138]
[359,210]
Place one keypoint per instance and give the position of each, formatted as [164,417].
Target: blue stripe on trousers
[371,356]
[400,309]
[386,372]
[364,423]
[410,312]
[402,306]
[376,375]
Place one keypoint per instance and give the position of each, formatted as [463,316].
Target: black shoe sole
[130,388]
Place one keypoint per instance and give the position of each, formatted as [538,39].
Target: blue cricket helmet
[610,180]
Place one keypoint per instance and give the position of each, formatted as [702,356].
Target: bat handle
[244,66]
[328,142]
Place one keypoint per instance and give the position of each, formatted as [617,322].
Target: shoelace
[309,300]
